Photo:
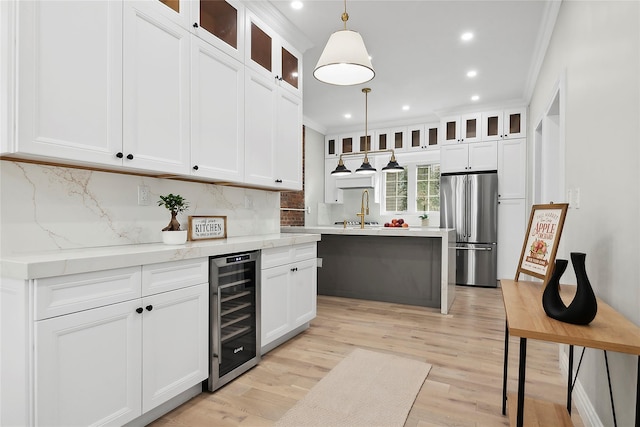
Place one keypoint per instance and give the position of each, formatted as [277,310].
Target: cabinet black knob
[195,25]
[119,155]
[149,307]
[139,310]
[130,156]
[279,181]
[195,168]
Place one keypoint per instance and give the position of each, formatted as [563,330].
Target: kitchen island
[403,265]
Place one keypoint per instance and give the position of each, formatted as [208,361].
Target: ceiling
[419,58]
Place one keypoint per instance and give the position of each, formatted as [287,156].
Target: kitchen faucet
[363,212]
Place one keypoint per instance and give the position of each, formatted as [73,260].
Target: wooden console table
[526,319]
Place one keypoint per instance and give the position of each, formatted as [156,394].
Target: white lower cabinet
[109,364]
[88,367]
[288,290]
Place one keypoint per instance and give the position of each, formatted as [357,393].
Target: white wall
[313,174]
[597,44]
[47,208]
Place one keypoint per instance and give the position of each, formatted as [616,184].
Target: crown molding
[550,15]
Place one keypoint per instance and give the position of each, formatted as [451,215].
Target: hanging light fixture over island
[366,168]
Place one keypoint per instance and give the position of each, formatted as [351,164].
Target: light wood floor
[465,347]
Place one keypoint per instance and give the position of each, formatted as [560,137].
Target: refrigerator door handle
[464,248]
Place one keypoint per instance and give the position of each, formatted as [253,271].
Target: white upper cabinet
[391,139]
[217,114]
[332,146]
[465,128]
[260,129]
[7,67]
[512,165]
[272,56]
[156,127]
[220,23]
[481,156]
[70,80]
[288,149]
[504,124]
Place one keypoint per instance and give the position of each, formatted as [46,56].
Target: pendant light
[366,168]
[344,60]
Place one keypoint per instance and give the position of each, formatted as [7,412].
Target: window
[428,188]
[416,190]
[395,199]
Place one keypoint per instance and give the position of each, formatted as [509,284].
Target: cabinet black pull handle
[119,155]
[279,181]
[149,307]
[139,310]
[293,269]
[195,168]
[130,156]
[195,25]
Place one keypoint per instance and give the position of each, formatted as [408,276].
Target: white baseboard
[585,408]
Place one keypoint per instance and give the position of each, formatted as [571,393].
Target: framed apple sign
[541,240]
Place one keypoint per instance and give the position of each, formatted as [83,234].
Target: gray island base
[415,266]
[381,268]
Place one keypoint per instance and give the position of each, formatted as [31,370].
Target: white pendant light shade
[344,60]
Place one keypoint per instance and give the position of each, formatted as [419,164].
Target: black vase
[582,310]
[551,301]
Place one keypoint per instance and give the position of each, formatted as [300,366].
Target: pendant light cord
[366,91]
[345,15]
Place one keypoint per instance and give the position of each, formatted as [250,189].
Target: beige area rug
[365,389]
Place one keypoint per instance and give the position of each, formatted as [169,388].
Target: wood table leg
[504,371]
[521,379]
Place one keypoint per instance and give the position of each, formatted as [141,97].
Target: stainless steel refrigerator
[469,203]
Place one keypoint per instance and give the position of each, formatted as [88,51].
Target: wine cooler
[234,339]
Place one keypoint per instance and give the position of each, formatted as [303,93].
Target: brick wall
[293,199]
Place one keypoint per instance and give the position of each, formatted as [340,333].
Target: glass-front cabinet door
[431,135]
[504,124]
[331,147]
[220,23]
[451,130]
[471,128]
[270,55]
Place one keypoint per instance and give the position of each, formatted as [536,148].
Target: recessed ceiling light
[347,116]
[466,36]
[475,98]
[472,73]
[405,108]
[297,5]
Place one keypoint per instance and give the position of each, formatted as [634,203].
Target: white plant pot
[425,222]
[174,237]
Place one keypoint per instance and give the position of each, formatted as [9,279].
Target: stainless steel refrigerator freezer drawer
[477,264]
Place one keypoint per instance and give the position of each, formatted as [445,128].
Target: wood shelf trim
[538,413]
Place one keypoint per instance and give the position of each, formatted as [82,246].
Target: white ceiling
[419,58]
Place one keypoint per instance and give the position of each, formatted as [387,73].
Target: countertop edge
[378,231]
[72,261]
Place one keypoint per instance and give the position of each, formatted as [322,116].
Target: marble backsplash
[47,208]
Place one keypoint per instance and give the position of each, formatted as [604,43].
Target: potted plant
[172,234]
[425,219]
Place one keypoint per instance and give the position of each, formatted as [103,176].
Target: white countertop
[371,230]
[35,265]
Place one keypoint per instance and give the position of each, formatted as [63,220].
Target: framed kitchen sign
[541,241]
[207,227]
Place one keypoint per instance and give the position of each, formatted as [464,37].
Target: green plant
[175,204]
[424,216]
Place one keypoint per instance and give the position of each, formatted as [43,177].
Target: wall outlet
[143,195]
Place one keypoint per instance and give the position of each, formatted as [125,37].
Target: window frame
[412,190]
